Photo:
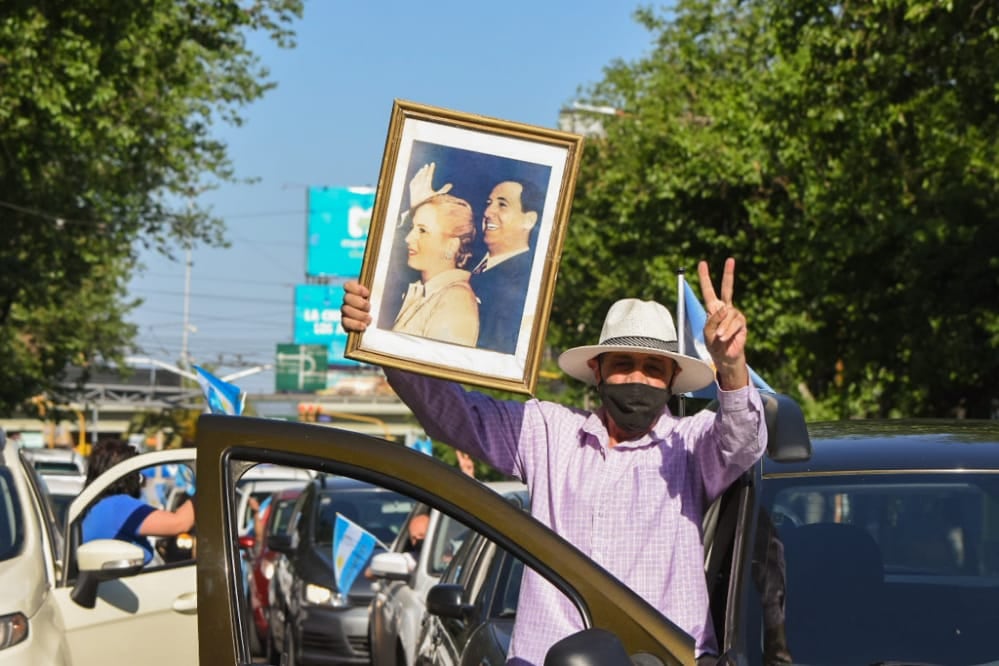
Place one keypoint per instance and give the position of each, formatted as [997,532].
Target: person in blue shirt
[120,513]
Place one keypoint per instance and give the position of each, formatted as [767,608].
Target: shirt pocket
[654,512]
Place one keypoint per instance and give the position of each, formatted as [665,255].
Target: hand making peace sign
[725,328]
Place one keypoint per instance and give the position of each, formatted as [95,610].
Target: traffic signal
[309,412]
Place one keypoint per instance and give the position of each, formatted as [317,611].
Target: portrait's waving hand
[421,187]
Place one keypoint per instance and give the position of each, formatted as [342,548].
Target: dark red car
[278,509]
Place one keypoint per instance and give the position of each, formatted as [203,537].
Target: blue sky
[325,124]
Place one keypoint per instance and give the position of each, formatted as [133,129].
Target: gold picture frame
[437,307]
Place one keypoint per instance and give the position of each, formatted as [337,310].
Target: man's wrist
[733,377]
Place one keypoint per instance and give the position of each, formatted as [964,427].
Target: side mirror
[787,434]
[594,647]
[280,543]
[445,600]
[247,542]
[392,566]
[101,560]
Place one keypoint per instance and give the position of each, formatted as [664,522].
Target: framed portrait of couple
[466,233]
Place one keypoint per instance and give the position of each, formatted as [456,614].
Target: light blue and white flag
[352,546]
[693,315]
[221,396]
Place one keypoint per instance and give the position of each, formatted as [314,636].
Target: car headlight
[317,594]
[267,569]
[13,629]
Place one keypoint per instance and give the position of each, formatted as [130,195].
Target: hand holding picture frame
[466,234]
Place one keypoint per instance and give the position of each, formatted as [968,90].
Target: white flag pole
[681,327]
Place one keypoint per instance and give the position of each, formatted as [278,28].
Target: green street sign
[300,368]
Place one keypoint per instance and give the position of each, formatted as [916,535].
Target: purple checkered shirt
[635,509]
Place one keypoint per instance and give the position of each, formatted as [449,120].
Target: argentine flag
[694,316]
[352,547]
[221,396]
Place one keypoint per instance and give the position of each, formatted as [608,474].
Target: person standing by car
[627,484]
[465,463]
[120,513]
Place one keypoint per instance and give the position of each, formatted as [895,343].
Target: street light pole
[184,353]
[145,360]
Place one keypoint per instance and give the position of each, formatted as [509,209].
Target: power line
[60,219]
[224,279]
[210,296]
[216,315]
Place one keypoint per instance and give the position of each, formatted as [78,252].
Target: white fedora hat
[643,327]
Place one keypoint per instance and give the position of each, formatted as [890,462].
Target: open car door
[616,620]
[117,611]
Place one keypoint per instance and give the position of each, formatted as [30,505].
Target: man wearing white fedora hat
[627,484]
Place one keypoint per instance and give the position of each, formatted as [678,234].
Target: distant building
[586,119]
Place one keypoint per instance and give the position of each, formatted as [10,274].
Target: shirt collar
[496,259]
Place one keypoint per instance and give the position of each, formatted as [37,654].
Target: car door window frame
[226,443]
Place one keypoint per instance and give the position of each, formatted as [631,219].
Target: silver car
[398,611]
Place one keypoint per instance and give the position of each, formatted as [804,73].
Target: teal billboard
[338,221]
[317,320]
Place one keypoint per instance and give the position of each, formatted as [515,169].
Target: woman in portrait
[441,305]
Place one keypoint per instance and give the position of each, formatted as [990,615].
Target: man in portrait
[500,279]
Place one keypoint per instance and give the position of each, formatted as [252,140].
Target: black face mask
[634,407]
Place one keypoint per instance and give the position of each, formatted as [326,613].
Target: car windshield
[281,513]
[11,525]
[380,512]
[881,568]
[57,467]
[447,539]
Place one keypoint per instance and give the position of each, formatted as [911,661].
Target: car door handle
[186,603]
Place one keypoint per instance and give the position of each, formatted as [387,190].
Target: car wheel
[271,652]
[256,643]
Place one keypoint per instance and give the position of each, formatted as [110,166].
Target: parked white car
[258,483]
[397,612]
[61,491]
[114,608]
[31,626]
[86,604]
[63,472]
[253,489]
[59,461]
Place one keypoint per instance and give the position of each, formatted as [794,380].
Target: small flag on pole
[221,396]
[693,317]
[352,546]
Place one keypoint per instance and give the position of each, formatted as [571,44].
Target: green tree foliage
[107,112]
[847,154]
